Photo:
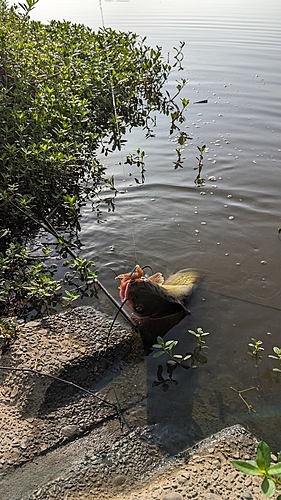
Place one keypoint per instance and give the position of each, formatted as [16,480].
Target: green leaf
[268,487]
[274,469]
[247,466]
[279,457]
[157,346]
[263,456]
[279,496]
[193,333]
[169,342]
[157,354]
[160,340]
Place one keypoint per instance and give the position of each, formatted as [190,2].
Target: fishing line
[243,300]
[117,126]
[115,317]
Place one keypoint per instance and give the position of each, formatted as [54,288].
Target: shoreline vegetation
[66,93]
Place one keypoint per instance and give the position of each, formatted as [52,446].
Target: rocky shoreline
[57,442]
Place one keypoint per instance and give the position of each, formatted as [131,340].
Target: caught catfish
[157,304]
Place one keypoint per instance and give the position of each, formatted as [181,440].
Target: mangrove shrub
[66,93]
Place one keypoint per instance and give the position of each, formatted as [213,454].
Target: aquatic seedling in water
[262,467]
[198,333]
[174,361]
[277,351]
[178,359]
[197,354]
[167,348]
[198,180]
[256,348]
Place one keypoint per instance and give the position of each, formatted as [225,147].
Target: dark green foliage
[28,284]
[66,91]
[65,94]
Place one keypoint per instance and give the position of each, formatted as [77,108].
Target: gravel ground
[207,473]
[59,443]
[39,413]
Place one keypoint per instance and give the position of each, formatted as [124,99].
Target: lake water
[227,228]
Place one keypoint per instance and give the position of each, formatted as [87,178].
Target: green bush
[66,93]
[57,109]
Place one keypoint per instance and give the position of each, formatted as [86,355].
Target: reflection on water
[226,225]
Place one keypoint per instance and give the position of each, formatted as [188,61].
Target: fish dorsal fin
[157,278]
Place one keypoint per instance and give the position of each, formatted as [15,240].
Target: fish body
[156,302]
[148,299]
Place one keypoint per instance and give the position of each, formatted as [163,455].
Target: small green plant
[178,359]
[277,351]
[255,346]
[198,333]
[167,348]
[198,180]
[262,467]
[174,361]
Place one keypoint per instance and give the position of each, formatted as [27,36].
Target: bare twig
[43,374]
[111,326]
[249,406]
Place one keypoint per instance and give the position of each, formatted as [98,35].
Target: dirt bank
[59,443]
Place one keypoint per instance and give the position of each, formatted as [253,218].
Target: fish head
[148,299]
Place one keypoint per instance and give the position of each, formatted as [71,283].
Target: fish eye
[139,308]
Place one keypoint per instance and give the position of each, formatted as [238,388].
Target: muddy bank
[59,443]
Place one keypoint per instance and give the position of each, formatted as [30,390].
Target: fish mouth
[124,291]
